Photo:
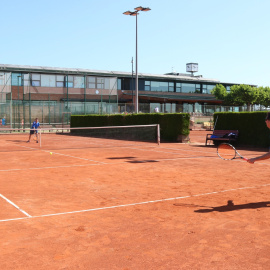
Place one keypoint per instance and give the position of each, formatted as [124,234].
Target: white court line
[87,159]
[31,148]
[101,163]
[152,149]
[16,206]
[134,204]
[47,151]
[55,167]
[124,162]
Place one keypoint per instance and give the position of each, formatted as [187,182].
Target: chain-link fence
[20,114]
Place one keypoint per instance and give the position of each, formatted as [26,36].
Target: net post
[158,134]
[40,138]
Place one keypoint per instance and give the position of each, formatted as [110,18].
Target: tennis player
[267,155]
[34,130]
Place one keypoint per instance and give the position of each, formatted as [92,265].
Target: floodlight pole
[132,84]
[137,76]
[136,13]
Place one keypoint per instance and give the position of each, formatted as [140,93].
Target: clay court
[104,204]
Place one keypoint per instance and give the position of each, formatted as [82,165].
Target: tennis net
[84,137]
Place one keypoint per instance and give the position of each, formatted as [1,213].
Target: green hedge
[171,125]
[251,125]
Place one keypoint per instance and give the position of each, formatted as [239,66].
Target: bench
[218,135]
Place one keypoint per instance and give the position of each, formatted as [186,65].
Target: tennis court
[110,204]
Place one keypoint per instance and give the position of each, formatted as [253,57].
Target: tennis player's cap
[267,116]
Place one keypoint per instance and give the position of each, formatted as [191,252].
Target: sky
[228,39]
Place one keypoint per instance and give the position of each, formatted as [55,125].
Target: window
[60,80]
[163,87]
[204,89]
[158,86]
[207,88]
[16,79]
[171,87]
[97,82]
[154,86]
[69,81]
[188,88]
[210,88]
[92,82]
[48,80]
[178,87]
[78,82]
[35,80]
[198,88]
[198,107]
[119,84]
[100,83]
[2,78]
[147,86]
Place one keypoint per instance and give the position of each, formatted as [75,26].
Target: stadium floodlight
[136,13]
[142,9]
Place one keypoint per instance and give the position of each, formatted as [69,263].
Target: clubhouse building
[171,92]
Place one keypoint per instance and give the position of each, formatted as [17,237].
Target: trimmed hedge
[251,125]
[171,124]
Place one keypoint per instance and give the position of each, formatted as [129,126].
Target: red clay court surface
[131,206]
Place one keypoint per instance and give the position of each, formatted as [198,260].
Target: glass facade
[157,86]
[177,87]
[95,82]
[63,81]
[90,87]
[51,92]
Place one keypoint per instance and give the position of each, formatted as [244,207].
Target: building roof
[92,72]
[77,71]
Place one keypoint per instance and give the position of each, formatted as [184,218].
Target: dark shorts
[33,131]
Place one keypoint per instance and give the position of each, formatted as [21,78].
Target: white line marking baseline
[134,204]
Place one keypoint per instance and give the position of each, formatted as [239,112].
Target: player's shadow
[142,161]
[121,157]
[232,207]
[17,140]
[130,160]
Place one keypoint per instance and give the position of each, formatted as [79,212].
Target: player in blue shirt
[34,130]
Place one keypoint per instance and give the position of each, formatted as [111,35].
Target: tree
[243,94]
[219,91]
[238,96]
[263,96]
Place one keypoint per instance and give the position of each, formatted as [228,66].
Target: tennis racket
[227,152]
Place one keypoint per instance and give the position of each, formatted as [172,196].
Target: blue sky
[228,39]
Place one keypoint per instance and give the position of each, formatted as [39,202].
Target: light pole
[136,13]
